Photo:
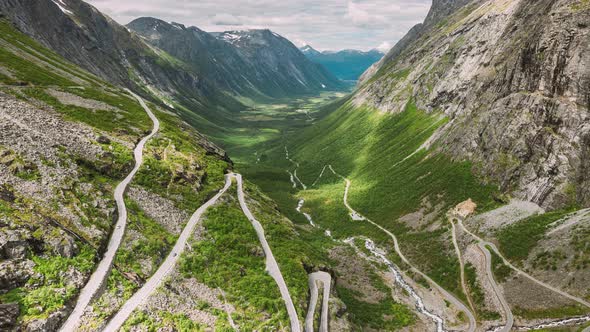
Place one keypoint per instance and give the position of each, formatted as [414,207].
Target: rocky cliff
[85,36]
[513,79]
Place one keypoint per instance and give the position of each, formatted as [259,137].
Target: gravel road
[166,267]
[326,281]
[271,264]
[101,273]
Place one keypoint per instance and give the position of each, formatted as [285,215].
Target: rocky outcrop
[8,316]
[513,78]
[440,10]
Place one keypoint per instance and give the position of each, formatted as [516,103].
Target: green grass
[29,72]
[230,258]
[501,271]
[128,119]
[384,315]
[371,148]
[557,312]
[49,289]
[177,167]
[180,322]
[293,249]
[517,240]
[153,245]
[27,45]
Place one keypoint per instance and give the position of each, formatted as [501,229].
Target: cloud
[384,46]
[226,19]
[324,24]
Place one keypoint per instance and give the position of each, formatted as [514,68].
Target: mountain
[467,146]
[278,62]
[67,140]
[449,191]
[309,51]
[263,64]
[514,76]
[347,65]
[83,35]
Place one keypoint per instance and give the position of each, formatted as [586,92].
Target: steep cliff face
[439,11]
[513,78]
[214,59]
[80,33]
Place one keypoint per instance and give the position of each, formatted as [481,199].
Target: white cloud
[384,46]
[226,19]
[325,24]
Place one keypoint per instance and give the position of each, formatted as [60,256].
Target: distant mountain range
[346,65]
[248,62]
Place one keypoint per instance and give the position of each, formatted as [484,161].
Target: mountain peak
[308,50]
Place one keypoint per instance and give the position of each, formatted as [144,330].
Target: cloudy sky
[323,24]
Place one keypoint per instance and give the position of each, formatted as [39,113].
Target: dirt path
[326,281]
[271,264]
[497,291]
[519,271]
[570,221]
[101,273]
[166,267]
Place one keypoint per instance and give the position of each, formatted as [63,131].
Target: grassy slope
[369,148]
[33,70]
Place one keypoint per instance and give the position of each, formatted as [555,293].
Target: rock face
[513,78]
[244,62]
[8,316]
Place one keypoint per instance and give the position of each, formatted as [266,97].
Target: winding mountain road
[271,264]
[166,267]
[448,296]
[461,264]
[505,306]
[519,271]
[326,281]
[101,273]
